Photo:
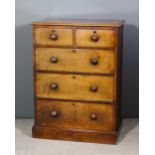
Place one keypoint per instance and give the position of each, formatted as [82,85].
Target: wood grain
[65,36]
[106,38]
[75,115]
[83,23]
[91,136]
[75,60]
[74,87]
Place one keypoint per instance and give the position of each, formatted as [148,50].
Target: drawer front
[74,115]
[79,60]
[95,38]
[56,37]
[74,87]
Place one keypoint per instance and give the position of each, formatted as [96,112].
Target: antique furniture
[77,79]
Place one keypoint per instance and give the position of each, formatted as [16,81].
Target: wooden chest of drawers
[77,80]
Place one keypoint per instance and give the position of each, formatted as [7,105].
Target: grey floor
[128,142]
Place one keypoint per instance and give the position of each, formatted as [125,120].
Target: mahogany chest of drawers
[77,80]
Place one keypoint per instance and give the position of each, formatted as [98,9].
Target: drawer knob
[94,61]
[54,86]
[54,60]
[93,88]
[54,114]
[94,38]
[93,117]
[53,37]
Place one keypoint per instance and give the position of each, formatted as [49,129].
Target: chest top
[79,22]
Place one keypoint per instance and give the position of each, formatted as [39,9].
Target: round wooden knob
[94,61]
[53,37]
[54,114]
[53,59]
[93,88]
[94,38]
[93,117]
[54,86]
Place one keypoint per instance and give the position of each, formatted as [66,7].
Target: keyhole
[74,77]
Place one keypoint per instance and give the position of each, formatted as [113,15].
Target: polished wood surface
[75,60]
[45,36]
[74,115]
[80,22]
[91,136]
[104,38]
[77,80]
[74,87]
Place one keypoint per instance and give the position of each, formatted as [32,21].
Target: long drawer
[75,60]
[74,87]
[74,115]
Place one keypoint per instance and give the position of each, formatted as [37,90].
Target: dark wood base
[93,136]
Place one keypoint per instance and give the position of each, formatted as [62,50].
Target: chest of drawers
[77,80]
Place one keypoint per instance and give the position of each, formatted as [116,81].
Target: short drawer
[74,115]
[77,60]
[54,36]
[95,38]
[74,87]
